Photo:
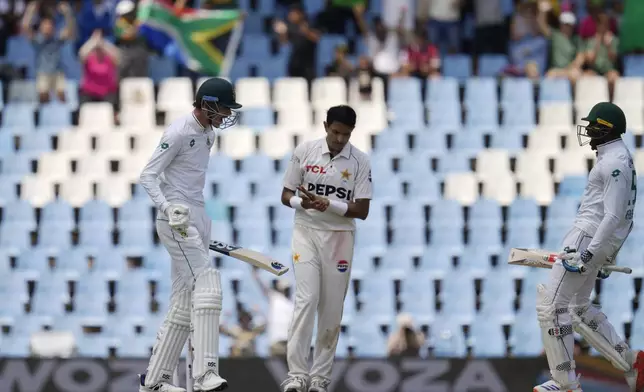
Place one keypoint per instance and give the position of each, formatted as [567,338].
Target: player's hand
[603,273]
[574,261]
[178,218]
[317,202]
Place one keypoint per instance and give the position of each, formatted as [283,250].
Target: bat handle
[615,268]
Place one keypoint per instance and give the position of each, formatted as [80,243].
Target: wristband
[296,203]
[338,207]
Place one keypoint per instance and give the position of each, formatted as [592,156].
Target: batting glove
[178,218]
[603,273]
[576,262]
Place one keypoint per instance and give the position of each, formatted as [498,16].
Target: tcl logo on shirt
[326,190]
[316,169]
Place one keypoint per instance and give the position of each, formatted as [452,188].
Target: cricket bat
[252,257]
[545,259]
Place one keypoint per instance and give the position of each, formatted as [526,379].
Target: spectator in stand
[243,334]
[601,52]
[100,59]
[280,304]
[444,22]
[384,45]
[364,75]
[528,49]
[48,46]
[490,34]
[341,65]
[589,24]
[566,54]
[94,15]
[304,40]
[405,341]
[421,58]
[133,48]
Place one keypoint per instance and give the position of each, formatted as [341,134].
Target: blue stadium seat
[255,234]
[257,117]
[487,338]
[368,339]
[555,232]
[36,143]
[13,285]
[96,211]
[459,161]
[485,211]
[160,68]
[446,236]
[427,141]
[136,211]
[391,190]
[233,190]
[95,234]
[259,165]
[256,46]
[457,66]
[404,90]
[220,164]
[18,116]
[458,296]
[445,117]
[562,209]
[20,212]
[59,212]
[408,233]
[94,346]
[447,212]
[491,65]
[55,114]
[135,346]
[371,235]
[326,50]
[253,23]
[51,294]
[525,337]
[524,209]
[92,295]
[497,296]
[523,233]
[52,234]
[72,101]
[254,212]
[417,294]
[572,186]
[407,115]
[136,238]
[510,140]
[555,90]
[467,143]
[480,91]
[267,187]
[21,53]
[443,91]
[448,340]
[519,115]
[634,66]
[482,117]
[16,166]
[391,142]
[517,92]
[272,67]
[376,295]
[132,294]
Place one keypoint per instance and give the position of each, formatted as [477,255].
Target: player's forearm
[150,182]
[605,230]
[287,194]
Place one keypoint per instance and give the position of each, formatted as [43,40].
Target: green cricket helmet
[605,120]
[216,98]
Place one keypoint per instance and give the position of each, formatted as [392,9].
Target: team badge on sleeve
[615,173]
[164,146]
[343,265]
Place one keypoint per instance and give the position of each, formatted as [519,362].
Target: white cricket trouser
[189,257]
[322,263]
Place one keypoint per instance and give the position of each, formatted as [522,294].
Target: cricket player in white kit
[603,222]
[334,182]
[175,178]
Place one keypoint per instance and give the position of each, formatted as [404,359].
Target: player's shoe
[554,386]
[294,384]
[635,376]
[210,382]
[319,384]
[160,387]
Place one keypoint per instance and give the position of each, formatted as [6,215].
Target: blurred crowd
[539,37]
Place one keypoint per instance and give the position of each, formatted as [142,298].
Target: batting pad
[170,340]
[556,333]
[206,308]
[591,323]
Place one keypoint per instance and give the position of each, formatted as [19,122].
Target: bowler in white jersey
[603,222]
[334,182]
[175,178]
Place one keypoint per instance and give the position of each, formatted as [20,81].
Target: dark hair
[343,114]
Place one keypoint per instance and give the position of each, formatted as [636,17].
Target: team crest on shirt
[345,175]
[296,258]
[343,265]
[192,142]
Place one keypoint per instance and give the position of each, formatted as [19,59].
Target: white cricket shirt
[177,170]
[606,210]
[345,177]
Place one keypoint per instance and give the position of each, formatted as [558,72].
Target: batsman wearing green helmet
[602,224]
[175,178]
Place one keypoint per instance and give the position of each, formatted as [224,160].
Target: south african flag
[202,36]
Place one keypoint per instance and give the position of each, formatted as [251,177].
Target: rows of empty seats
[481,166]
